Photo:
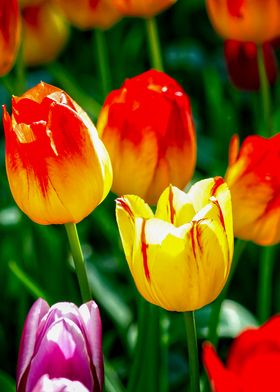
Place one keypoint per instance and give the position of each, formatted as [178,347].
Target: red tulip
[148,129]
[9,34]
[253,362]
[146,8]
[242,64]
[58,168]
[253,177]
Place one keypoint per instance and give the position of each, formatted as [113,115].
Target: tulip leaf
[7,384]
[234,318]
[109,298]
[112,381]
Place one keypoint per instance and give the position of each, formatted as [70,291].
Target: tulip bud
[242,64]
[45,33]
[179,257]
[61,346]
[90,13]
[245,20]
[252,363]
[253,178]
[58,168]
[9,34]
[146,9]
[148,130]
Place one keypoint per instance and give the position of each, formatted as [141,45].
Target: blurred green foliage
[193,55]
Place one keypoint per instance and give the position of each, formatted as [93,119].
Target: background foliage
[35,260]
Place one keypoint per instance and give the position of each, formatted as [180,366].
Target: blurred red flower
[253,363]
[242,64]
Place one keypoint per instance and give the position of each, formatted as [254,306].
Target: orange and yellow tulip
[254,180]
[58,168]
[148,130]
[9,34]
[245,20]
[179,257]
[90,14]
[45,33]
[146,9]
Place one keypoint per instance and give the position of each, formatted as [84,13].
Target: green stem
[265,91]
[265,283]
[216,307]
[20,73]
[78,261]
[192,351]
[103,62]
[155,51]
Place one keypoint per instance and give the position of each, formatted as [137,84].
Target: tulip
[9,34]
[58,168]
[253,362]
[61,347]
[90,13]
[179,257]
[45,33]
[245,20]
[146,9]
[253,178]
[149,133]
[242,64]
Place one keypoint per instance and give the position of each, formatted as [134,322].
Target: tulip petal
[90,317]
[62,353]
[128,209]
[58,385]
[200,194]
[185,268]
[175,206]
[222,380]
[28,340]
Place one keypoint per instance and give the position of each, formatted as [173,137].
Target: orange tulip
[253,177]
[149,133]
[142,8]
[90,13]
[245,20]
[9,34]
[45,33]
[58,168]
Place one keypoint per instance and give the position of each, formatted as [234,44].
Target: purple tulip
[61,349]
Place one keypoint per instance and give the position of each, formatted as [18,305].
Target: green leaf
[7,384]
[112,381]
[234,318]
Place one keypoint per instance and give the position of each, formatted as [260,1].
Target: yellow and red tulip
[45,33]
[88,14]
[148,130]
[254,180]
[142,8]
[179,257]
[9,34]
[245,20]
[58,168]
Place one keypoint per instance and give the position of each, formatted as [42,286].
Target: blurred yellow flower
[179,257]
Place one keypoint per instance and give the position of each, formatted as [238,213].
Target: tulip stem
[155,50]
[192,351]
[79,262]
[265,282]
[264,86]
[103,62]
[216,306]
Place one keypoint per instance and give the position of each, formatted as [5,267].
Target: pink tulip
[60,349]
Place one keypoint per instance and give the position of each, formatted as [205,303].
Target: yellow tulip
[179,257]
